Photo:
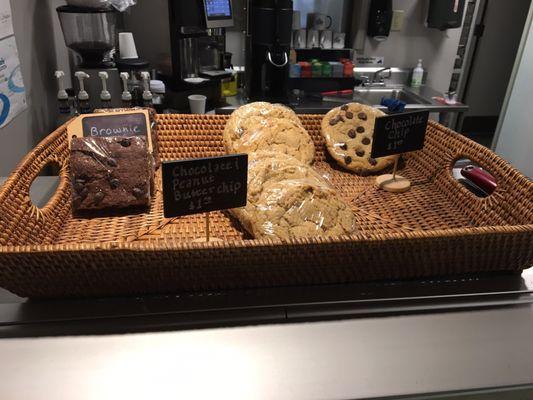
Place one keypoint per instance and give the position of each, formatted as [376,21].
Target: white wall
[40,44]
[515,139]
[494,60]
[403,48]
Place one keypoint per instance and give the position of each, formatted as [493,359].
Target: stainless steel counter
[359,341]
[306,105]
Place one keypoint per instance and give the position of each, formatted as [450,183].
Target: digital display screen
[218,9]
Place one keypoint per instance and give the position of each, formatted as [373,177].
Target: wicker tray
[437,228]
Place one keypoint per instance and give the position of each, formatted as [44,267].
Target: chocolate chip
[125,142]
[138,193]
[334,120]
[114,183]
[112,162]
[344,107]
[348,159]
[360,129]
[362,116]
[360,153]
[78,186]
[98,197]
[372,161]
[84,193]
[349,115]
[344,146]
[351,133]
[365,141]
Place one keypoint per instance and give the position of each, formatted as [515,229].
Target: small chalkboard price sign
[204,184]
[120,123]
[396,134]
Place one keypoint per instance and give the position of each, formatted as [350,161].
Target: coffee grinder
[268,47]
[91,34]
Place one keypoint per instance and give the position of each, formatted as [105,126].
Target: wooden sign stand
[207,238]
[392,182]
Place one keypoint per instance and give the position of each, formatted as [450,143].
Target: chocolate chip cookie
[348,131]
[234,129]
[278,135]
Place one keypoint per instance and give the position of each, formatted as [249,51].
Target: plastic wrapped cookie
[281,201]
[348,131]
[301,209]
[234,129]
[266,168]
[282,136]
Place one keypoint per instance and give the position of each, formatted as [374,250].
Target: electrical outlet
[397,20]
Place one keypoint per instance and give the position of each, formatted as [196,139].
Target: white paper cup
[197,103]
[126,45]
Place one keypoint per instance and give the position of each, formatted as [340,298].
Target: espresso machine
[91,34]
[185,42]
[268,47]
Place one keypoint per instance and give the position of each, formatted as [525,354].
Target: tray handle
[21,222]
[513,193]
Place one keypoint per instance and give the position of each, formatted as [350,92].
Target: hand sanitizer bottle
[418,73]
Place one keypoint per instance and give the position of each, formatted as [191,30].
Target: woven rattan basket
[437,228]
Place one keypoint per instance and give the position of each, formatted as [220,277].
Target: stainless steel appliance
[269,40]
[182,39]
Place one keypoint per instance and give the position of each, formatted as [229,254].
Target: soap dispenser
[418,74]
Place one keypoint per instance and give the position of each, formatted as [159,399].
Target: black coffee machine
[268,47]
[184,40]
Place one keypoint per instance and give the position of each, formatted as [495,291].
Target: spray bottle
[105,96]
[126,95]
[62,99]
[147,94]
[83,97]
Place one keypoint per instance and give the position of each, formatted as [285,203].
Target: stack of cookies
[287,198]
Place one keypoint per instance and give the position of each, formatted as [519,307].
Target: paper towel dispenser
[445,14]
[379,19]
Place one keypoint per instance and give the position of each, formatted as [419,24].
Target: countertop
[358,341]
[306,105]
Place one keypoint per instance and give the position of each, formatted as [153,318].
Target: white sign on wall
[12,91]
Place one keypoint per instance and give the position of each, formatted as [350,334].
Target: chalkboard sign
[204,184]
[399,133]
[117,123]
[104,125]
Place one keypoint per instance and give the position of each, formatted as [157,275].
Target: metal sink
[372,96]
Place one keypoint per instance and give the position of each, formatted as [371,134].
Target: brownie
[110,172]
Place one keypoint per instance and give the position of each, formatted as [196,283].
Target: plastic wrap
[153,128]
[110,172]
[348,131]
[282,136]
[289,199]
[234,127]
[120,5]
